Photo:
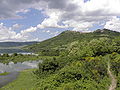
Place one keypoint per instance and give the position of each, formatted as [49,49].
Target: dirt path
[113,84]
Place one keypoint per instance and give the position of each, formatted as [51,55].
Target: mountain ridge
[67,37]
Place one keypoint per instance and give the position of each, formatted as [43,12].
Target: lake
[4,80]
[19,66]
[14,69]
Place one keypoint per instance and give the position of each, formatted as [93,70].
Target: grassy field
[25,81]
[5,73]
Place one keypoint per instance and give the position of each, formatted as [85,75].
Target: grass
[3,74]
[25,81]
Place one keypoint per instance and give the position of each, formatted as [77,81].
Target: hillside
[62,40]
[89,63]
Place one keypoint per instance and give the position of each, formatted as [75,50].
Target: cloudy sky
[37,20]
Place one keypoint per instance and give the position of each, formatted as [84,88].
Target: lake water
[19,66]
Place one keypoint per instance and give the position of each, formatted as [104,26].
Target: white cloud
[78,14]
[59,11]
[54,33]
[75,14]
[10,8]
[78,25]
[16,26]
[113,24]
[52,21]
[8,34]
[48,31]
[29,30]
[23,10]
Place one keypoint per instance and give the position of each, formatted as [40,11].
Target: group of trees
[81,66]
[95,47]
[49,52]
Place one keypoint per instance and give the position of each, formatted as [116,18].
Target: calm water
[4,80]
[13,67]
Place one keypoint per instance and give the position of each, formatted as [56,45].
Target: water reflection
[12,67]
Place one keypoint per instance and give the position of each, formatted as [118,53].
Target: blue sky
[31,19]
[37,20]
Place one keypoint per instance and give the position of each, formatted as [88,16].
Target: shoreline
[6,79]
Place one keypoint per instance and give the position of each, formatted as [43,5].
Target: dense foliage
[82,65]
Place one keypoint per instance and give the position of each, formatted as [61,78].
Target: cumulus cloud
[76,14]
[113,24]
[59,11]
[52,21]
[54,33]
[29,30]
[10,8]
[8,34]
[16,26]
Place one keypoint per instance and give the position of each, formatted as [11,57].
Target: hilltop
[63,39]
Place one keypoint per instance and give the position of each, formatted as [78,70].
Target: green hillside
[90,62]
[65,38]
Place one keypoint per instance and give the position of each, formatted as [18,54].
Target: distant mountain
[15,44]
[67,37]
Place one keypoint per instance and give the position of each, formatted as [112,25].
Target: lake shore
[4,80]
[25,80]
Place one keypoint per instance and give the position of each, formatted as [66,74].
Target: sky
[37,20]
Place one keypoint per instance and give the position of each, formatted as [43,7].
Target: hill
[91,62]
[15,44]
[62,40]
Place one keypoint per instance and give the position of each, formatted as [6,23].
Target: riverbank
[5,79]
[25,80]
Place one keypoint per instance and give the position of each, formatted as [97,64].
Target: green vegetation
[81,62]
[25,81]
[3,74]
[83,66]
[5,58]
[60,42]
